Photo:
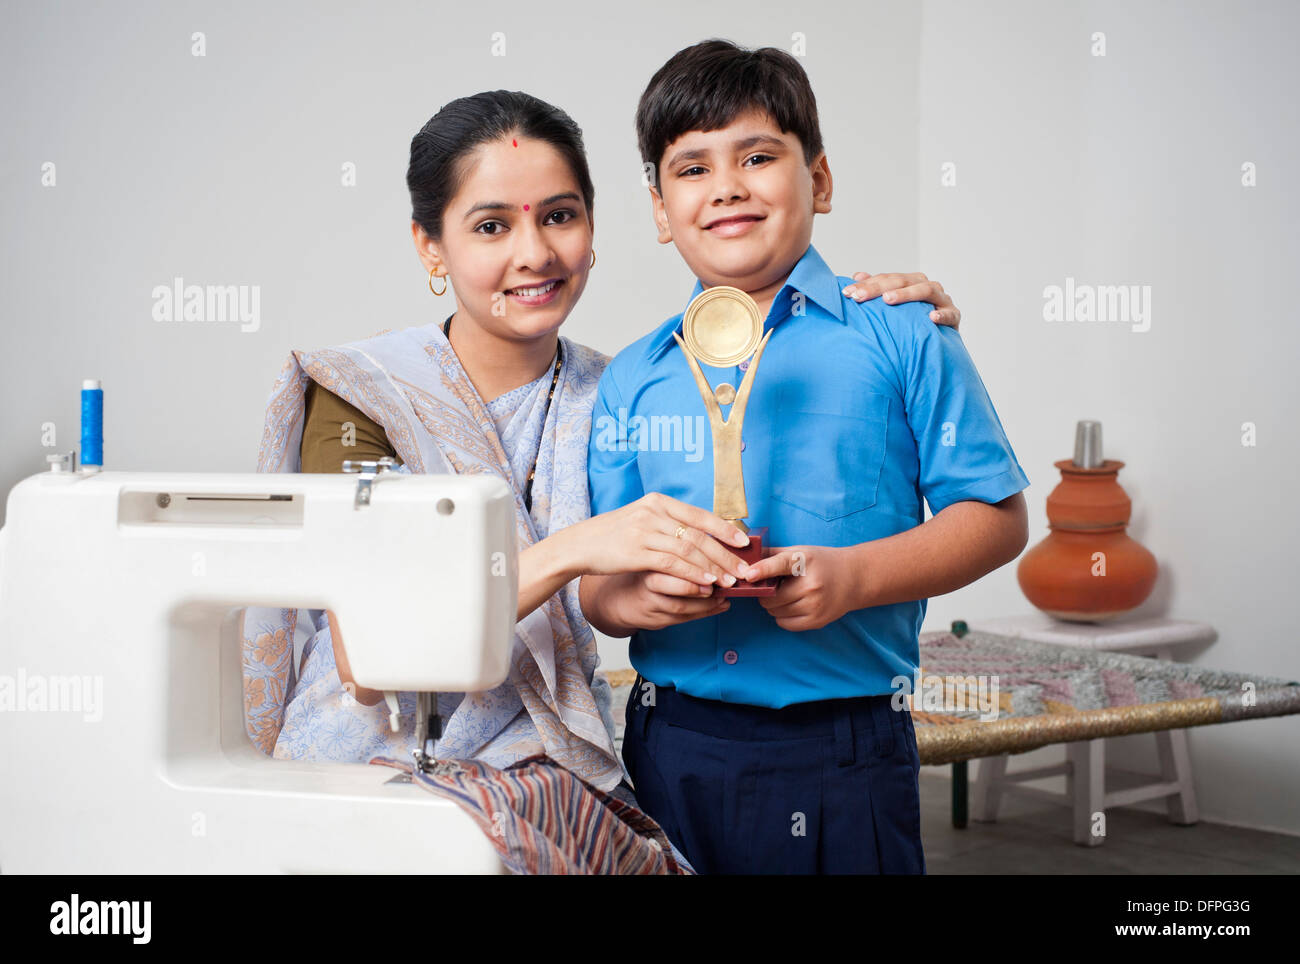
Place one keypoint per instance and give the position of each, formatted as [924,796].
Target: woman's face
[516,240]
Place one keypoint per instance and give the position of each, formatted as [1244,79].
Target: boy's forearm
[597,596]
[965,541]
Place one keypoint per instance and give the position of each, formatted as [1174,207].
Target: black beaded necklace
[555,380]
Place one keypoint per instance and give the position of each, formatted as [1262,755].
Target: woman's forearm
[546,567]
[362,695]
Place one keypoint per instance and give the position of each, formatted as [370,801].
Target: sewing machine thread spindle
[92,425]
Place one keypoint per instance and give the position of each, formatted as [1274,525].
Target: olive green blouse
[322,433]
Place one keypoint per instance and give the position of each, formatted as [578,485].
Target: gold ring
[681,531]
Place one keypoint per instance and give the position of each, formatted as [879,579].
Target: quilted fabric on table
[1046,693]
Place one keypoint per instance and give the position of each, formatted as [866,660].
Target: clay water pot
[1088,569]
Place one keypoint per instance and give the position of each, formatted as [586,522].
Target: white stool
[1085,766]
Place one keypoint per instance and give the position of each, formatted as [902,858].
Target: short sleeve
[613,476]
[963,451]
[322,434]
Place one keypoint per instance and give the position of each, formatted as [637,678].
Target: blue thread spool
[92,425]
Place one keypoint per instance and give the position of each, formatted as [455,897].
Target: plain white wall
[225,169]
[1127,169]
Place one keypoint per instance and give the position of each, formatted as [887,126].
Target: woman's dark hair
[708,85]
[438,152]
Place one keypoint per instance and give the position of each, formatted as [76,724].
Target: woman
[503,206]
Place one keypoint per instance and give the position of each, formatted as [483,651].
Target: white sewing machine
[135,580]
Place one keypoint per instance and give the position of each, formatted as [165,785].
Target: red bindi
[513,142]
[525,207]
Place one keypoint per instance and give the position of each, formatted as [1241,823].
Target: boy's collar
[810,275]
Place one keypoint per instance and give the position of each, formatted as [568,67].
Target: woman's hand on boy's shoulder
[897,288]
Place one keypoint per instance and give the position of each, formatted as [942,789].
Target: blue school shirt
[857,411]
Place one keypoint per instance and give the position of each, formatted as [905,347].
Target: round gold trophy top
[722,326]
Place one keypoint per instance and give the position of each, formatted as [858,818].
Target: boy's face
[739,202]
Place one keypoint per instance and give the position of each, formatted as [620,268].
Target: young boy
[761,733]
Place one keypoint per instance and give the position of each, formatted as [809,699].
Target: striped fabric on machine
[542,819]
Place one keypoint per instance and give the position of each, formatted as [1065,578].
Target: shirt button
[730,657]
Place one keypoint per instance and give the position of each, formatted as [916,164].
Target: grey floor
[1033,837]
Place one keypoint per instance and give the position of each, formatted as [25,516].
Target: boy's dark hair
[708,85]
[440,150]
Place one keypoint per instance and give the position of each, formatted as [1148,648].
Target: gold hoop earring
[444,284]
[593,259]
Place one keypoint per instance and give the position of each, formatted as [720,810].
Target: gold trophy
[721,328]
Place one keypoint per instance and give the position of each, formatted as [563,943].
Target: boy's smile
[734,225]
[739,202]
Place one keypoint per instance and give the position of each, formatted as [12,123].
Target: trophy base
[751,554]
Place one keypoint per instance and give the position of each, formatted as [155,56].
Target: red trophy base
[751,554]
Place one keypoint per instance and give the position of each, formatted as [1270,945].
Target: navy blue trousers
[823,787]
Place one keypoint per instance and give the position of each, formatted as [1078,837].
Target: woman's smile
[535,295]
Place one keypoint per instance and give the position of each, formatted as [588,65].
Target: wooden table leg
[1176,766]
[1086,785]
[959,794]
[990,781]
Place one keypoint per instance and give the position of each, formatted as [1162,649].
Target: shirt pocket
[829,458]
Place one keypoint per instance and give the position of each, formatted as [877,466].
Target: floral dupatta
[412,383]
